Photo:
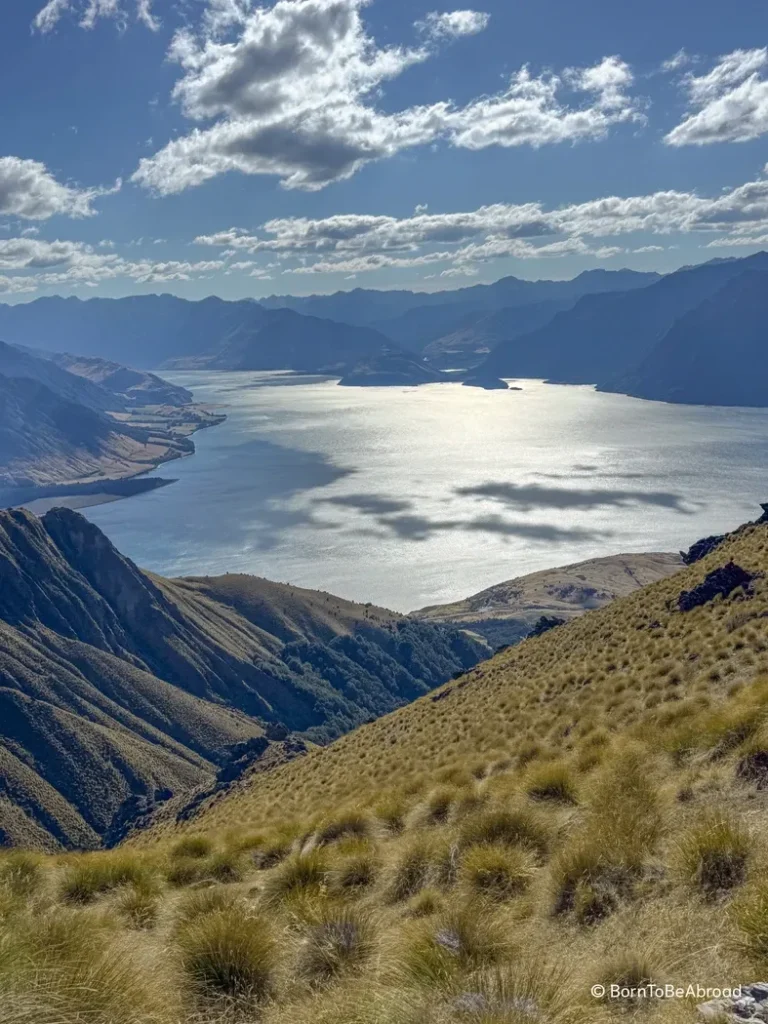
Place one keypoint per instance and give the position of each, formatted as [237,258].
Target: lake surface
[415,496]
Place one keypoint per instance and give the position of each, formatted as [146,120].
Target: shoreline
[40,498]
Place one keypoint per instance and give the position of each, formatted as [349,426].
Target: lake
[415,496]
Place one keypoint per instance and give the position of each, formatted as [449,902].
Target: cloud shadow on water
[533,497]
[421,528]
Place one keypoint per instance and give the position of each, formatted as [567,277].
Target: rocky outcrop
[747,1005]
[701,549]
[719,583]
[545,623]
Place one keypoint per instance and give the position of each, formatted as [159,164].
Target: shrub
[391,813]
[713,855]
[228,953]
[339,941]
[70,968]
[193,847]
[92,875]
[426,903]
[301,875]
[225,866]
[497,872]
[552,780]
[519,827]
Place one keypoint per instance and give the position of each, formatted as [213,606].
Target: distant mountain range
[322,334]
[715,354]
[119,689]
[620,330]
[604,338]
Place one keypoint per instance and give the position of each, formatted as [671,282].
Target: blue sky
[218,146]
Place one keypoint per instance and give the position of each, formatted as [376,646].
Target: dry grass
[588,808]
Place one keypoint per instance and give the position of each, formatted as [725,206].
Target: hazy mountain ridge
[116,684]
[605,336]
[716,354]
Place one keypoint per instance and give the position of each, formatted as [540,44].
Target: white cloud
[91,11]
[29,190]
[360,243]
[679,60]
[727,104]
[453,25]
[292,91]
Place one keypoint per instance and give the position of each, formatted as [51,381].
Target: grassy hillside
[120,690]
[506,612]
[588,808]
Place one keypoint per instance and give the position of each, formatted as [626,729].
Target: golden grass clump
[497,873]
[92,875]
[229,953]
[338,941]
[714,854]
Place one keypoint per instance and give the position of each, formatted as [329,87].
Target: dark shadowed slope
[604,336]
[715,355]
[116,684]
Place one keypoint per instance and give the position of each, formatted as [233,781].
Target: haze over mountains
[601,328]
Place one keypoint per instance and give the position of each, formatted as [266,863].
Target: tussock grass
[497,873]
[229,953]
[713,856]
[302,875]
[92,875]
[339,941]
[192,847]
[592,798]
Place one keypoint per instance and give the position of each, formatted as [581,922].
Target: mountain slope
[506,612]
[22,363]
[604,336]
[115,684]
[284,340]
[566,834]
[133,387]
[156,330]
[717,354]
[48,440]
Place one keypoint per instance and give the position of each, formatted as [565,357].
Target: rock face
[701,549]
[750,1006]
[545,623]
[719,583]
[117,685]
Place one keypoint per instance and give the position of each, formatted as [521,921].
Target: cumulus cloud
[293,90]
[90,12]
[727,104]
[28,264]
[454,24]
[359,243]
[29,190]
